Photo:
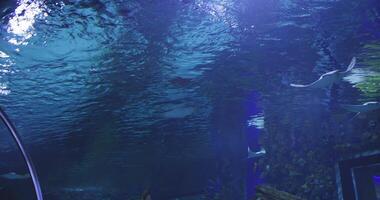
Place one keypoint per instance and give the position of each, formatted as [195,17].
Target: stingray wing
[257,154]
[353,108]
[351,66]
[325,80]
[366,107]
[307,85]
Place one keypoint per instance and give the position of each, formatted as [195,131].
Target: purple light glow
[376,179]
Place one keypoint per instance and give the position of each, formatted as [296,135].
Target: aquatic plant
[370,59]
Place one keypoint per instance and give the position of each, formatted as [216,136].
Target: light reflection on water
[25,15]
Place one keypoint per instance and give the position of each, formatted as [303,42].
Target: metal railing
[25,155]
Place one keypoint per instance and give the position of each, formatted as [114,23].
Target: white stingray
[15,176]
[327,79]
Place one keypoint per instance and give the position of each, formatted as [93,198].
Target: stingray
[362,108]
[15,176]
[329,78]
[256,154]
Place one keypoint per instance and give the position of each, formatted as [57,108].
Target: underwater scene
[190,100]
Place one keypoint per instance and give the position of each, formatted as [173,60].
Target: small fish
[15,176]
[256,154]
[327,79]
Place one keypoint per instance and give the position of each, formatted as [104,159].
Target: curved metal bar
[25,155]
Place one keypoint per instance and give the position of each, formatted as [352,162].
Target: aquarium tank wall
[190,99]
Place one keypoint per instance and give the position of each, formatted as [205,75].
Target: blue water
[114,98]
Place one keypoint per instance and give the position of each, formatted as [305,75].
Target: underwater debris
[327,79]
